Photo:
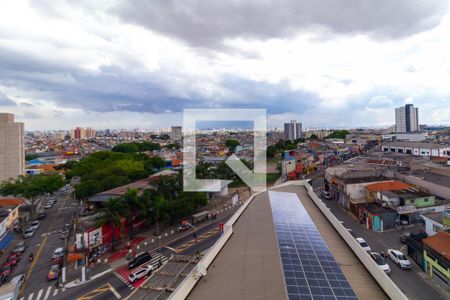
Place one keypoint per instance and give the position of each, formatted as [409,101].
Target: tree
[271,150]
[29,157]
[154,163]
[338,134]
[160,209]
[232,144]
[33,187]
[111,213]
[314,137]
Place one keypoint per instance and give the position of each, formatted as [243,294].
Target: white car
[381,262]
[363,244]
[142,272]
[29,232]
[18,279]
[399,258]
[35,224]
[59,252]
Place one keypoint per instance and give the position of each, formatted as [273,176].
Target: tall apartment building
[407,119]
[12,147]
[80,133]
[293,130]
[177,133]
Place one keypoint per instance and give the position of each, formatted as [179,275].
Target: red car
[5,271]
[12,260]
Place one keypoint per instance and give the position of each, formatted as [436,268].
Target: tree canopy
[338,134]
[136,147]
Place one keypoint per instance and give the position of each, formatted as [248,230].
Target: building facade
[177,133]
[407,119]
[12,149]
[293,130]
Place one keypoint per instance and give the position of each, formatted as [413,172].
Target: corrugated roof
[440,243]
[387,186]
[11,201]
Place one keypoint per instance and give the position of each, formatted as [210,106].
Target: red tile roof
[388,186]
[440,243]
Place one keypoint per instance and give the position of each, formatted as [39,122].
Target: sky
[138,64]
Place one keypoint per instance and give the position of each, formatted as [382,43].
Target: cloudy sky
[137,64]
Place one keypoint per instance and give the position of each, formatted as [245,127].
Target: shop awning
[6,240]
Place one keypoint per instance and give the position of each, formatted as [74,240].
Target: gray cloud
[206,23]
[5,100]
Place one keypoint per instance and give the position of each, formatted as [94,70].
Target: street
[414,282]
[42,244]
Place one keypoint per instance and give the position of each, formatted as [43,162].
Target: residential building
[437,258]
[89,133]
[177,133]
[80,133]
[436,222]
[293,130]
[427,150]
[406,119]
[12,149]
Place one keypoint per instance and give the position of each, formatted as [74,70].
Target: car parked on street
[29,232]
[399,258]
[59,252]
[48,206]
[139,260]
[363,244]
[381,262]
[12,260]
[5,271]
[138,274]
[404,236]
[35,224]
[18,279]
[326,195]
[41,216]
[20,247]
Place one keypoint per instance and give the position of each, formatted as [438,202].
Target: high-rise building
[12,149]
[293,130]
[177,133]
[80,133]
[407,119]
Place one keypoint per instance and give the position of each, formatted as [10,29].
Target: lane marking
[38,297]
[47,294]
[113,290]
[55,292]
[30,296]
[33,264]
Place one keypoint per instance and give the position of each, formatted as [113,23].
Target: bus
[200,217]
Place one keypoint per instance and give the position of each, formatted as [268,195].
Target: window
[436,228]
[425,199]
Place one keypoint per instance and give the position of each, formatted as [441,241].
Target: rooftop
[362,179]
[440,243]
[250,267]
[431,177]
[437,217]
[387,186]
[416,145]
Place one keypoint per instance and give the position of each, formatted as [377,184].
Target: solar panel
[310,270]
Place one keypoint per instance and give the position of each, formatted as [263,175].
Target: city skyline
[106,66]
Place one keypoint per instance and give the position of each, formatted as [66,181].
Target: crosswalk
[44,294]
[157,258]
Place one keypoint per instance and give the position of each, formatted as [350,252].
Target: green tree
[313,137]
[111,213]
[160,209]
[338,134]
[232,144]
[33,187]
[271,151]
[29,157]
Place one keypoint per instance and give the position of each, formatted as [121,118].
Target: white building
[419,149]
[293,130]
[12,151]
[407,119]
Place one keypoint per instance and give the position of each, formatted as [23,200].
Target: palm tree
[131,198]
[111,213]
[159,208]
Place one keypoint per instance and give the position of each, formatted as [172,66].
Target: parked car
[363,244]
[381,262]
[139,260]
[184,227]
[59,252]
[48,206]
[399,258]
[326,195]
[138,274]
[404,236]
[29,232]
[20,247]
[35,224]
[41,216]
[5,271]
[13,259]
[53,273]
[18,279]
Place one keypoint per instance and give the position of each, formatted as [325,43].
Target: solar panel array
[310,270]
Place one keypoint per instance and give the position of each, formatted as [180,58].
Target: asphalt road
[42,244]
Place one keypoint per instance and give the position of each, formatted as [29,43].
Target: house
[375,191]
[378,218]
[437,258]
[427,150]
[436,222]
